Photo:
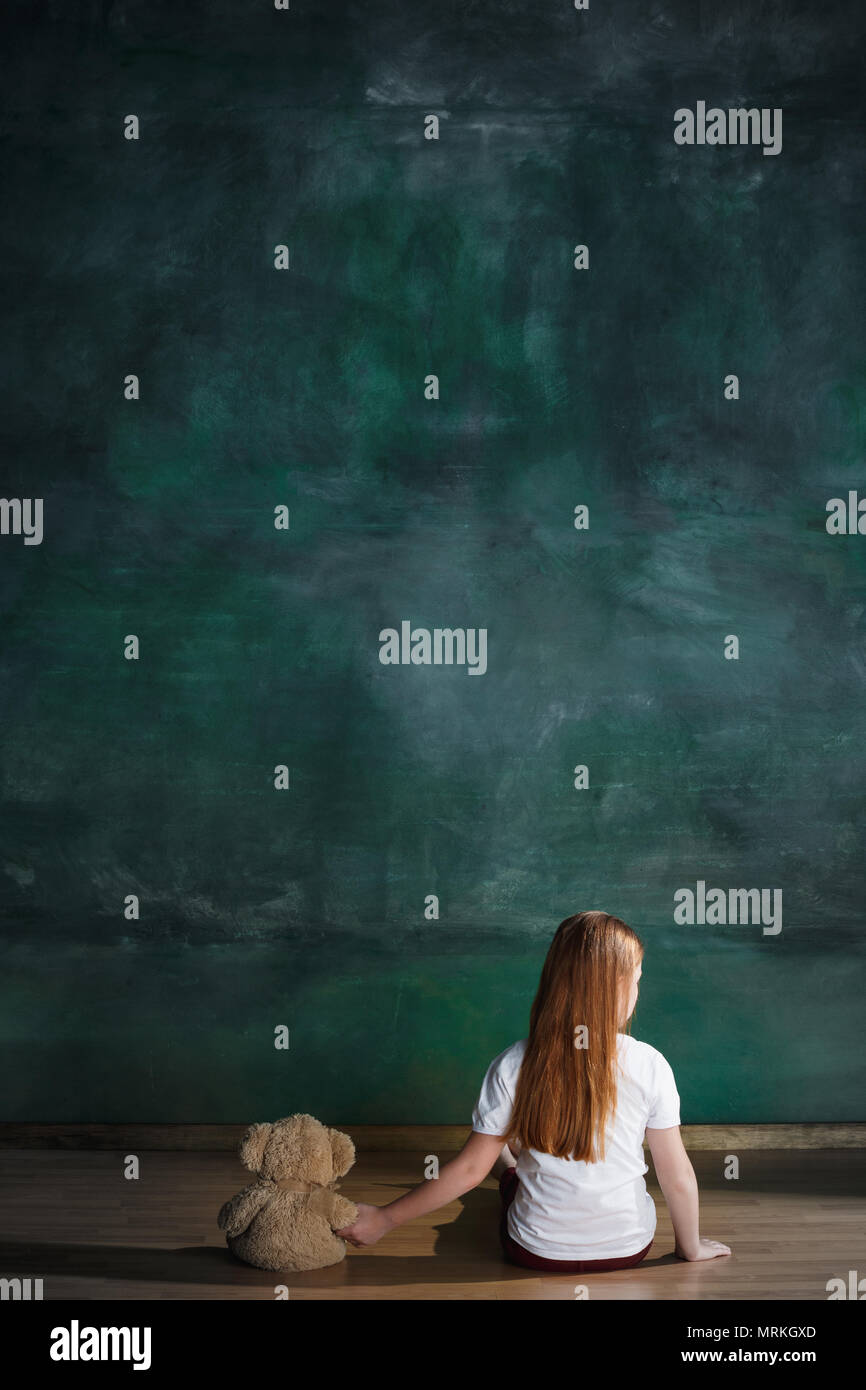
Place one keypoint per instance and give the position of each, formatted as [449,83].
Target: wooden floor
[794,1219]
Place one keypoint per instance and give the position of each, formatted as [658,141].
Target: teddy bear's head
[297,1147]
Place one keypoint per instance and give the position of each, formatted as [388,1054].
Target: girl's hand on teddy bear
[371,1225]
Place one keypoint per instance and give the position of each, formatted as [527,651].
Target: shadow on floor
[467,1251]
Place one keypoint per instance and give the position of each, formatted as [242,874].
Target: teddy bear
[286,1219]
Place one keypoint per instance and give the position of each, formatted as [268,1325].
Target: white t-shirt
[567,1210]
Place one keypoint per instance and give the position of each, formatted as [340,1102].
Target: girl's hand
[707,1250]
[371,1225]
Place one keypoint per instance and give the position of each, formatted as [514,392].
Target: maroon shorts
[518,1255]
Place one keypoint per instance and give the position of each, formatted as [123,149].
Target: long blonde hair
[566,1088]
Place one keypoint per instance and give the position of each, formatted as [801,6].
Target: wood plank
[433,1139]
[793,1220]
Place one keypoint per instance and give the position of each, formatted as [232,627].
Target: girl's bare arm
[680,1188]
[467,1170]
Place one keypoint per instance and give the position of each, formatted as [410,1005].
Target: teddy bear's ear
[343,1151]
[253,1144]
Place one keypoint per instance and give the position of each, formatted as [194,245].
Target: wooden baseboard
[433,1139]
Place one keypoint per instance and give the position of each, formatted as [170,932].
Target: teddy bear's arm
[237,1213]
[343,1213]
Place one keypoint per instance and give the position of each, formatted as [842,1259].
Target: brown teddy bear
[284,1219]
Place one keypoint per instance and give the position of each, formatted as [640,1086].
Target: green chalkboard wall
[308,388]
